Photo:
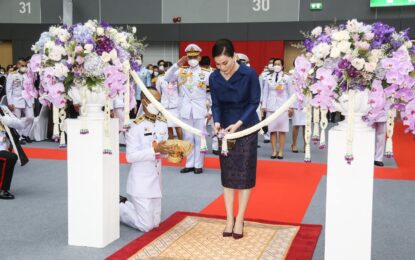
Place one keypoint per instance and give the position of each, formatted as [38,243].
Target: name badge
[279,87]
[148,134]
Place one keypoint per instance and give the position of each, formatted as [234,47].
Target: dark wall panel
[84,10]
[52,11]
[131,11]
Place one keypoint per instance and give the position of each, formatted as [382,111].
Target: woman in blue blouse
[235,95]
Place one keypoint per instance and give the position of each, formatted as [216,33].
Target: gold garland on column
[323,126]
[316,120]
[126,125]
[62,117]
[107,140]
[390,124]
[350,127]
[55,114]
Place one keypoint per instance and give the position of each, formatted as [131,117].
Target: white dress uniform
[299,116]
[380,137]
[169,97]
[262,78]
[276,93]
[118,108]
[14,91]
[143,210]
[193,82]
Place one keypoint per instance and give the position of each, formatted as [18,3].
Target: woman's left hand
[233,128]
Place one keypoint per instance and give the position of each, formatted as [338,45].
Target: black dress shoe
[266,141]
[6,195]
[198,170]
[123,199]
[215,152]
[186,170]
[273,157]
[280,157]
[378,163]
[27,139]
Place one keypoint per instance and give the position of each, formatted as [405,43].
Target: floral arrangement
[72,61]
[357,57]
[93,54]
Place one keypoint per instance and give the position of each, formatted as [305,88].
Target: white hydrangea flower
[408,44]
[60,70]
[370,67]
[105,57]
[63,35]
[358,63]
[368,36]
[354,26]
[88,48]
[344,46]
[56,53]
[317,31]
[321,50]
[335,52]
[341,36]
[100,31]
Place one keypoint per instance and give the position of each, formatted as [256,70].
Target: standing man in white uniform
[15,100]
[193,82]
[170,99]
[262,79]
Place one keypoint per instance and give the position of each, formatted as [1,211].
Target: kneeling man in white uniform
[145,142]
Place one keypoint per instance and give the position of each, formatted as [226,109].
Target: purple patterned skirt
[238,169]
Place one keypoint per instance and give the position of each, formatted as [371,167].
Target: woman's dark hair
[205,61]
[223,47]
[282,61]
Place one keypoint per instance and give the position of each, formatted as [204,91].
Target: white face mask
[156,73]
[193,63]
[161,68]
[151,108]
[270,67]
[23,69]
[277,68]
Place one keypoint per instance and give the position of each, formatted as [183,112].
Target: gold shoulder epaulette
[206,69]
[139,119]
[184,67]
[161,118]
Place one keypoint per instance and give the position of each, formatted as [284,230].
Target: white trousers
[141,213]
[195,158]
[380,141]
[29,115]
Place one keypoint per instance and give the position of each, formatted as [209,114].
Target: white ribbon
[198,132]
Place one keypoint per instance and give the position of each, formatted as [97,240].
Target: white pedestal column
[93,185]
[349,196]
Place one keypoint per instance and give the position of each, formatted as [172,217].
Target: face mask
[277,68]
[139,62]
[193,63]
[161,68]
[156,73]
[270,67]
[22,69]
[151,108]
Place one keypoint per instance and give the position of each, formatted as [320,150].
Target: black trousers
[7,162]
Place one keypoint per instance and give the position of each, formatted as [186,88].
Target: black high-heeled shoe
[229,234]
[236,235]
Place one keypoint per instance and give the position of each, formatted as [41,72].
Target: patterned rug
[196,236]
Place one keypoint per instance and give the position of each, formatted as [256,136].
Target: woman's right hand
[216,128]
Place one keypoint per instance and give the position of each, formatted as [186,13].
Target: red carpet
[302,247]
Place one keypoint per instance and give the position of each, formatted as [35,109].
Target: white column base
[348,226]
[93,185]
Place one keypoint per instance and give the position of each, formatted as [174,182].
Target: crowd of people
[229,97]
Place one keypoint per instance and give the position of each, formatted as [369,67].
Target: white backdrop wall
[168,51]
